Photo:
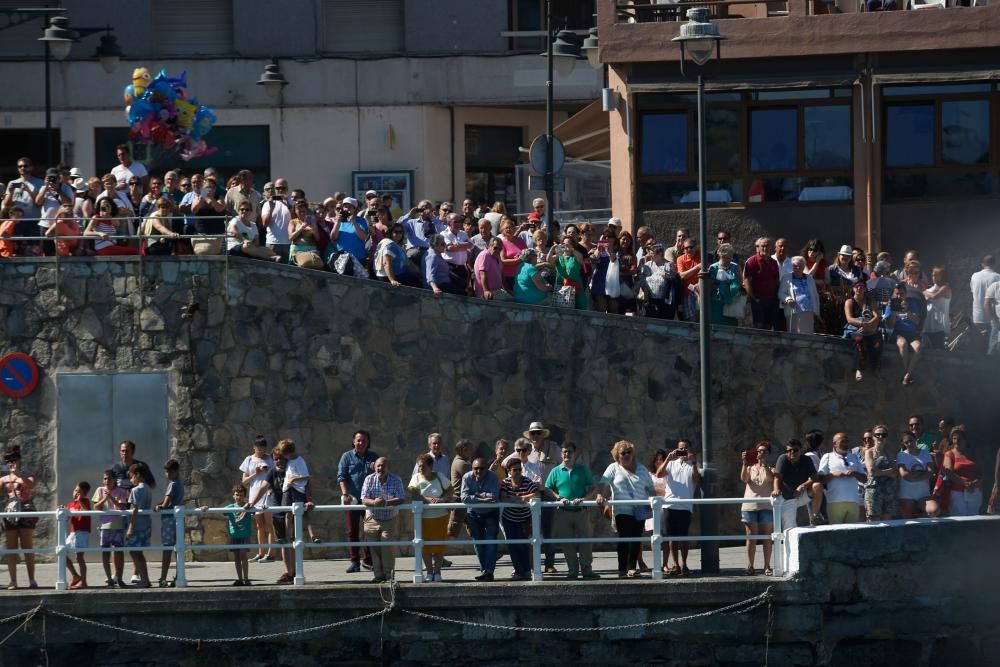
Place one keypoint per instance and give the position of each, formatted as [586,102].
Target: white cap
[349,200]
[615,222]
[371,193]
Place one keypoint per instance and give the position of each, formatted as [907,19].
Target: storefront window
[827,137]
[965,132]
[909,136]
[773,135]
[664,144]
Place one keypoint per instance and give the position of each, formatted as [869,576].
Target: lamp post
[562,51]
[58,39]
[698,38]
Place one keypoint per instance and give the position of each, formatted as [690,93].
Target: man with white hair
[457,248]
[434,448]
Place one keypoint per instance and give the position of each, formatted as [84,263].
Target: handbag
[625,289]
[15,504]
[612,280]
[736,308]
[564,297]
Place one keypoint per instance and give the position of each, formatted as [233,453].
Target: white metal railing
[298,545]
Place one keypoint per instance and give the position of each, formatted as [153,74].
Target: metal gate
[96,411]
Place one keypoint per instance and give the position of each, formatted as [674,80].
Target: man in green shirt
[925,441]
[571,483]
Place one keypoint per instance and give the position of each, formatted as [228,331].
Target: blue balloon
[141,108]
[204,119]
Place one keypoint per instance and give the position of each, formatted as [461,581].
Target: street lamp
[698,38]
[590,47]
[272,79]
[562,51]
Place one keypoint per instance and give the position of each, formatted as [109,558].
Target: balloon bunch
[160,112]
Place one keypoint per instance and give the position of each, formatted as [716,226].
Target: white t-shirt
[277,227]
[680,484]
[993,292]
[296,474]
[981,280]
[123,173]
[249,466]
[246,232]
[920,462]
[458,257]
[628,486]
[841,489]
[51,204]
[783,266]
[385,247]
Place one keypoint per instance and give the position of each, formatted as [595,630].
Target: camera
[896,305]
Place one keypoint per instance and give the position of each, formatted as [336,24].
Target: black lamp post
[562,51]
[698,40]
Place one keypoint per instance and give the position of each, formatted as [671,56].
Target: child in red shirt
[9,228]
[79,536]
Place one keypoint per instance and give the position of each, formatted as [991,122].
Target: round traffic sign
[18,375]
[538,150]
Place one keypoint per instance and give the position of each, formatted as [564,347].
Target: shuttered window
[192,27]
[362,26]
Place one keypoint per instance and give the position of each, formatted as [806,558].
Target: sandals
[751,572]
[674,571]
[907,379]
[768,572]
[11,587]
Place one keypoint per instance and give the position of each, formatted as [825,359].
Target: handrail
[298,545]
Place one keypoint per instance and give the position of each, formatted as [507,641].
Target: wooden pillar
[621,133]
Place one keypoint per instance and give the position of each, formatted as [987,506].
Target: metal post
[656,541]
[298,509]
[549,128]
[709,513]
[180,575]
[62,515]
[536,539]
[49,152]
[777,537]
[418,543]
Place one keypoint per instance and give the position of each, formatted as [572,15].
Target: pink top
[512,249]
[491,265]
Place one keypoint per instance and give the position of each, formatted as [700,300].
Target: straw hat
[535,427]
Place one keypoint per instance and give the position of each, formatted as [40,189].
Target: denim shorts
[757,516]
[140,538]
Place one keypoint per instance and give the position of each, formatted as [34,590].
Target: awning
[751,82]
[935,76]
[586,135]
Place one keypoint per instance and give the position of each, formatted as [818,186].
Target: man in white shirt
[53,194]
[441,463]
[682,481]
[275,217]
[457,249]
[979,283]
[991,304]
[127,169]
[841,470]
[781,257]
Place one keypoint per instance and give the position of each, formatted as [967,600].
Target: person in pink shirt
[487,271]
[510,258]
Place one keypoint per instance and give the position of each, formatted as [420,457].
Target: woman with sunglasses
[862,329]
[656,277]
[242,235]
[627,479]
[816,264]
[389,261]
[758,518]
[881,484]
[103,227]
[65,225]
[156,229]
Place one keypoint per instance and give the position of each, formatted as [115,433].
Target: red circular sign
[18,375]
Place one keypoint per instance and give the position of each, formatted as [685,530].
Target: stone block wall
[313,356]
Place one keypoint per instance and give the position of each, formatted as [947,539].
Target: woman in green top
[569,270]
[528,284]
[724,277]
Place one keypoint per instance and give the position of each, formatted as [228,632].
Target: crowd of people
[487,253]
[927,474]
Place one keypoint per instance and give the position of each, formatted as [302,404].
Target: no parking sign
[18,375]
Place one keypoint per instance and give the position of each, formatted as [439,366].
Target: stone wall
[289,352]
[915,595]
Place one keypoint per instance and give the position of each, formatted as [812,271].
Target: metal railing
[298,545]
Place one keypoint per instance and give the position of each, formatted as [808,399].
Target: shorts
[842,512]
[880,500]
[678,522]
[78,539]
[112,538]
[293,495]
[908,336]
[238,541]
[140,538]
[168,530]
[757,516]
[279,528]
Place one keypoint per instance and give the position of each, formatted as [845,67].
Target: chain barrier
[389,605]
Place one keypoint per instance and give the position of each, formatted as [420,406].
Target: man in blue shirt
[902,318]
[350,232]
[421,226]
[437,271]
[356,464]
[481,490]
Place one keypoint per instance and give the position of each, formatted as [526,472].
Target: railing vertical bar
[418,543]
[180,572]
[536,539]
[298,544]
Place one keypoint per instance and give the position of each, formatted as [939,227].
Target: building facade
[439,90]
[877,129]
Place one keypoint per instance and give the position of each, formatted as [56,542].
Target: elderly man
[457,248]
[437,272]
[276,218]
[480,240]
[797,293]
[781,257]
[441,463]
[531,469]
[570,483]
[541,455]
[761,275]
[382,491]
[421,226]
[481,492]
[488,272]
[841,471]
[355,465]
[643,241]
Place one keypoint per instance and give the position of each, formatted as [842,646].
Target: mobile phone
[751,456]
[896,305]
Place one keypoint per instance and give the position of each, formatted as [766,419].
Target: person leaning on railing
[103,227]
[65,225]
[241,236]
[157,234]
[432,487]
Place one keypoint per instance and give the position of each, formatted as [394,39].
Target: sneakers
[858,376]
[135,579]
[255,558]
[142,584]
[485,576]
[110,583]
[266,559]
[366,566]
[445,562]
[354,568]
[572,576]
[120,583]
[520,577]
[437,577]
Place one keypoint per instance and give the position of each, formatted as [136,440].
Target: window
[937,141]
[362,26]
[192,27]
[760,146]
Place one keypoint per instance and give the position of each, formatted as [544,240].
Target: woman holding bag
[18,486]
[727,292]
[569,271]
[627,479]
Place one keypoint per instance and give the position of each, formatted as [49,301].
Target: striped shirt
[374,488]
[104,226]
[526,488]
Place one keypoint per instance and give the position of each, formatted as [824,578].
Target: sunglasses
[281,187]
[244,210]
[24,166]
[723,238]
[478,469]
[522,450]
[446,210]
[880,435]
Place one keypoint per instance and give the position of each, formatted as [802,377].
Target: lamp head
[59,37]
[108,52]
[590,47]
[699,36]
[272,79]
